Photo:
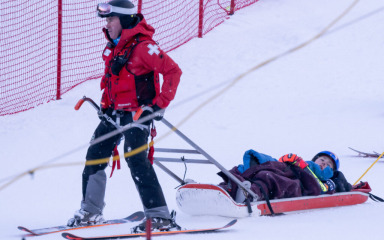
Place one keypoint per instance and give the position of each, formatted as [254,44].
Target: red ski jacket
[138,60]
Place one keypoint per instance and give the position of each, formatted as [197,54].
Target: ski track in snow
[326,96]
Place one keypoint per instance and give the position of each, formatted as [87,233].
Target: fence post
[59,45]
[139,6]
[232,10]
[201,18]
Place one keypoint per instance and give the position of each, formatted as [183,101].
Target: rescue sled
[208,199]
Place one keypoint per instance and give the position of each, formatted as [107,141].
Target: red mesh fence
[38,64]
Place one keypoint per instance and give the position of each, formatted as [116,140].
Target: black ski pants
[143,174]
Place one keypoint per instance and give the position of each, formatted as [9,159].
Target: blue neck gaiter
[116,41]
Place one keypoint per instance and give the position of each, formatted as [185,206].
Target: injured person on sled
[267,186]
[288,177]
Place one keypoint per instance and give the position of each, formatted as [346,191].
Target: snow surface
[326,96]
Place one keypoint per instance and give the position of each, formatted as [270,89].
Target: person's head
[120,14]
[327,158]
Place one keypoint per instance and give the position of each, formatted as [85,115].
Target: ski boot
[158,224]
[84,218]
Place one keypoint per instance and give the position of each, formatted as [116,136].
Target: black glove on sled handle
[100,113]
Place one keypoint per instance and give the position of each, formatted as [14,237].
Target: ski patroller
[137,216]
[164,233]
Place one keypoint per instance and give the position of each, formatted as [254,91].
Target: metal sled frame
[198,150]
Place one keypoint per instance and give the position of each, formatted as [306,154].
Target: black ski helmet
[124,9]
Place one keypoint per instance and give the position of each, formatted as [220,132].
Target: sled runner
[208,199]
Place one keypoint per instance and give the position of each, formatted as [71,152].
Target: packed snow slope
[325,96]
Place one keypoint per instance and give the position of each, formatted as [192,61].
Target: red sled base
[208,199]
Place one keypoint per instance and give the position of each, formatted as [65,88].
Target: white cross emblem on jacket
[153,49]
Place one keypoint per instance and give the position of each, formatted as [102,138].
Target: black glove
[330,185]
[156,110]
[146,112]
[159,112]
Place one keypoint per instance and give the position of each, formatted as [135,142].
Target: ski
[137,216]
[133,235]
[365,154]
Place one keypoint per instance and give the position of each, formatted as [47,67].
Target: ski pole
[368,169]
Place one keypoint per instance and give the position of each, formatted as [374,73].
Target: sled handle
[86,99]
[79,103]
[137,114]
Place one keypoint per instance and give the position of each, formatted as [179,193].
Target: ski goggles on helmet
[105,10]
